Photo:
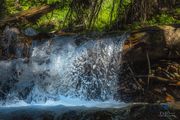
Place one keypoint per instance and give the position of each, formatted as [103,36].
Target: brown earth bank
[151,65]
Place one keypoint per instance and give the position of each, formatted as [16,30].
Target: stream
[63,71]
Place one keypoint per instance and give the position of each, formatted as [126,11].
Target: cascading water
[63,68]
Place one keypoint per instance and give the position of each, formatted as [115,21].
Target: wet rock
[79,40]
[30,32]
[9,41]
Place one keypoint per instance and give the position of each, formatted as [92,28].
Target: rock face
[172,35]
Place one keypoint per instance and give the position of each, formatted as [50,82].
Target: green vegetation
[161,19]
[79,15]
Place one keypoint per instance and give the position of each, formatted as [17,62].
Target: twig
[134,76]
[149,66]
[156,78]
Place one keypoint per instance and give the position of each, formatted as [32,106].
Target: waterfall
[63,67]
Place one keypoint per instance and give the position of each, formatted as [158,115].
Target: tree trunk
[30,15]
[2,8]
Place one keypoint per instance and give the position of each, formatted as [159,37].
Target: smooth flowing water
[64,70]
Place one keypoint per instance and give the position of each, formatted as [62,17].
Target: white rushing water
[64,71]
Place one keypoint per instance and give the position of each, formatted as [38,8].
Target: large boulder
[158,42]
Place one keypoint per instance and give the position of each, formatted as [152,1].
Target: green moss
[177,11]
[55,18]
[162,19]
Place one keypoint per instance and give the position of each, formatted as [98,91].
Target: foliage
[53,19]
[97,14]
[177,11]
[163,19]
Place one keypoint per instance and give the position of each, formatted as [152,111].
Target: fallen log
[30,15]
